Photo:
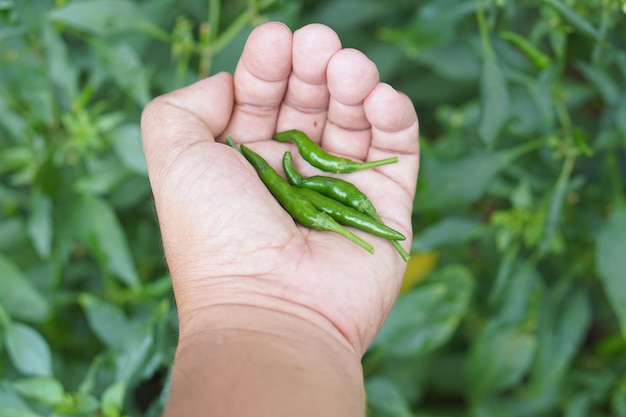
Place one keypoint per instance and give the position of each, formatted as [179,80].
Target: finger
[175,122]
[260,82]
[351,77]
[306,100]
[394,128]
[395,131]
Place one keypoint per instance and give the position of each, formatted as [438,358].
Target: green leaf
[579,405]
[107,321]
[104,177]
[500,357]
[385,399]
[113,399]
[6,5]
[574,19]
[9,412]
[347,14]
[517,291]
[28,350]
[581,142]
[45,390]
[425,317]
[82,404]
[555,207]
[504,275]
[18,296]
[62,72]
[12,405]
[435,24]
[12,121]
[48,177]
[449,184]
[542,91]
[495,102]
[133,359]
[33,92]
[455,62]
[145,350]
[450,231]
[409,375]
[528,110]
[127,146]
[102,232]
[131,194]
[620,116]
[501,406]
[601,78]
[563,322]
[127,70]
[40,223]
[611,263]
[13,235]
[102,17]
[618,400]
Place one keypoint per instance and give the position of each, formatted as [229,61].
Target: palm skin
[226,238]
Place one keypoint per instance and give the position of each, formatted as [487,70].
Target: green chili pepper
[300,209]
[397,246]
[336,188]
[536,55]
[321,159]
[339,190]
[348,216]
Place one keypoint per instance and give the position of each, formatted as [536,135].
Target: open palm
[226,238]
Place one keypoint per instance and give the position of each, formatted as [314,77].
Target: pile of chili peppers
[321,202]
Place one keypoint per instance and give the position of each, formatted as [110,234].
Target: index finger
[260,82]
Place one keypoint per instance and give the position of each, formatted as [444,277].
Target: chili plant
[519,212]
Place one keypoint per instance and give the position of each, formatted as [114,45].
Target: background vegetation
[515,299]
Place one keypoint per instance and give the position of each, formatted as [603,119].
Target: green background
[522,107]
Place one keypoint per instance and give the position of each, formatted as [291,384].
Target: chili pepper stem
[367,165]
[328,223]
[230,142]
[349,216]
[300,209]
[319,158]
[341,191]
[398,247]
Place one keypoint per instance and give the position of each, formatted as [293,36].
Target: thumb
[174,122]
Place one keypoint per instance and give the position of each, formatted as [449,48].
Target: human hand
[226,239]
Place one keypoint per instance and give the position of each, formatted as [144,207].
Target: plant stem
[208,34]
[215,13]
[556,202]
[616,179]
[209,46]
[231,31]
[484,31]
[204,66]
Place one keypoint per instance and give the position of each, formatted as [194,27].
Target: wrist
[273,319]
[287,358]
[229,303]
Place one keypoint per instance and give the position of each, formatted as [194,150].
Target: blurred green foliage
[522,107]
